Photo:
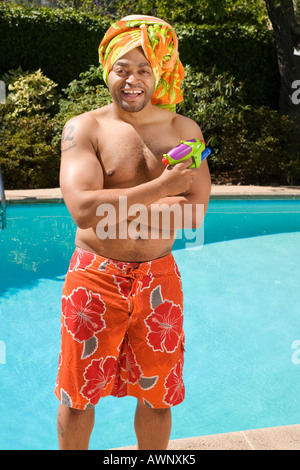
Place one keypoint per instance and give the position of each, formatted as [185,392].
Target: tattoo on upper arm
[68,139]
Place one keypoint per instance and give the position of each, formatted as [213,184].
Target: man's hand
[177,179]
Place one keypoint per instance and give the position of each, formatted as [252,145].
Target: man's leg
[74,427]
[152,427]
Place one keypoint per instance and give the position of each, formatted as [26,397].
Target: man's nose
[132,78]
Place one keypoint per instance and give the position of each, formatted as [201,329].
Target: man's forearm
[171,213]
[93,203]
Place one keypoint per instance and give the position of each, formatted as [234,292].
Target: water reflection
[39,240]
[38,243]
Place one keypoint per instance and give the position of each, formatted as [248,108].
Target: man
[122,298]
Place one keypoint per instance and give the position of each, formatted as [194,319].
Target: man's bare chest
[129,159]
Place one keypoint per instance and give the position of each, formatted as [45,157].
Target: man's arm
[199,191]
[81,178]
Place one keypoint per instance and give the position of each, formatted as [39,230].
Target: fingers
[185,164]
[181,166]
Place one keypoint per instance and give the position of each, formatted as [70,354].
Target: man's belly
[126,248]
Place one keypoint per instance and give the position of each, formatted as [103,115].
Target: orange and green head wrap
[160,46]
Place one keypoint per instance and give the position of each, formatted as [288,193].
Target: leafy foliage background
[49,62]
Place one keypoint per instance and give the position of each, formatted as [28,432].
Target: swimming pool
[242,297]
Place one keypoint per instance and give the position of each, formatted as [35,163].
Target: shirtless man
[107,153]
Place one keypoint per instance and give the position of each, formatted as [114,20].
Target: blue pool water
[242,302]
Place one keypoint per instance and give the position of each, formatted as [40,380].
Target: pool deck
[222,192]
[274,438]
[277,438]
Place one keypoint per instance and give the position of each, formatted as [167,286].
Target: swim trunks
[121,332]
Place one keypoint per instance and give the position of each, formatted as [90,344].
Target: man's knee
[73,413]
[161,411]
[153,411]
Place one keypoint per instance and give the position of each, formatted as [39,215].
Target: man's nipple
[110,172]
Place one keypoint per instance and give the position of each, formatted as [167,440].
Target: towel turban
[160,46]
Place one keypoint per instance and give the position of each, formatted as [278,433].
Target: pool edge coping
[272,438]
[54,195]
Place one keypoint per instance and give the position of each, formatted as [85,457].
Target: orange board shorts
[121,332]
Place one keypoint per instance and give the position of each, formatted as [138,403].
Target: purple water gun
[193,148]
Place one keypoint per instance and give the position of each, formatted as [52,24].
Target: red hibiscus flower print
[145,282]
[81,260]
[165,325]
[82,312]
[129,364]
[123,284]
[120,387]
[174,385]
[97,376]
[146,279]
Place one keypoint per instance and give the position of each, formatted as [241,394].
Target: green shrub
[64,42]
[61,42]
[262,148]
[27,157]
[252,12]
[84,94]
[211,100]
[255,145]
[247,53]
[12,75]
[32,93]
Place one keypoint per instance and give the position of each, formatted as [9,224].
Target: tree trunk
[287,36]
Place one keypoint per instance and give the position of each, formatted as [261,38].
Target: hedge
[250,144]
[64,43]
[28,158]
[247,53]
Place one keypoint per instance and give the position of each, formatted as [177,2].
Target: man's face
[131,81]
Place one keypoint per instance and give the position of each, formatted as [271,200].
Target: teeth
[132,92]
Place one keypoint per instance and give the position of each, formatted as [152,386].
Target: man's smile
[132,93]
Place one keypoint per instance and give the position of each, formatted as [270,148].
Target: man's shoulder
[185,125]
[181,120]
[175,118]
[88,119]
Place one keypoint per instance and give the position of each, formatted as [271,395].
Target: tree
[284,16]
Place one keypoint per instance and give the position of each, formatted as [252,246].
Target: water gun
[193,148]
